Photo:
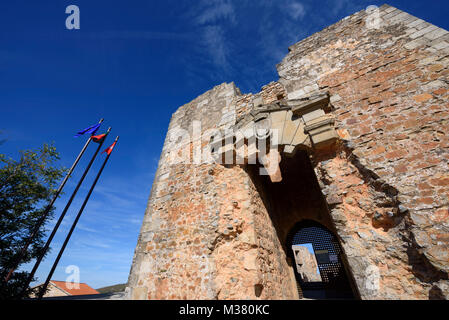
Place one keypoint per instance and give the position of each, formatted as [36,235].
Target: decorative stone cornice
[284,126]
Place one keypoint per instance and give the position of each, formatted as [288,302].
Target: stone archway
[298,197]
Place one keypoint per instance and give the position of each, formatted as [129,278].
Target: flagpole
[47,244]
[46,212]
[61,251]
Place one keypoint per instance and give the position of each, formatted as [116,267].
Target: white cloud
[277,34]
[87,229]
[216,45]
[212,18]
[215,10]
[295,9]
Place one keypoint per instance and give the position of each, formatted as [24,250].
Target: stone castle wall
[215,231]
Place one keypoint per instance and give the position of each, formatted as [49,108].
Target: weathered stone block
[423,31]
[258,101]
[313,115]
[290,127]
[304,107]
[416,43]
[320,136]
[436,34]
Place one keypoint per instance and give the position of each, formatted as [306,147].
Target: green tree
[27,185]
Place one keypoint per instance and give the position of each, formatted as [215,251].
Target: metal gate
[335,283]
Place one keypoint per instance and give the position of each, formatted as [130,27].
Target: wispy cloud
[275,35]
[212,20]
[216,45]
[295,9]
[223,26]
[87,229]
[140,35]
[212,11]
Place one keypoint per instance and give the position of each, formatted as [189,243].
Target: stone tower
[352,140]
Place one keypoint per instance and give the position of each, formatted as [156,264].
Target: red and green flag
[99,138]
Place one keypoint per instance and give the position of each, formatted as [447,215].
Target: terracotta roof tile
[82,290]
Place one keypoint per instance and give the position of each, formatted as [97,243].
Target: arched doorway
[318,262]
[298,197]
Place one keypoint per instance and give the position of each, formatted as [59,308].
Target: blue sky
[134,63]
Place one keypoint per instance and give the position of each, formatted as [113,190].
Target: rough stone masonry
[363,114]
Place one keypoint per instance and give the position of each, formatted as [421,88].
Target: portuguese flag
[99,138]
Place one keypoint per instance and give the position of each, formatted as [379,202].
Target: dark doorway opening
[324,245]
[299,213]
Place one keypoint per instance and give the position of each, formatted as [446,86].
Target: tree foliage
[27,185]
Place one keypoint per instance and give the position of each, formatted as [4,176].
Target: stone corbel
[316,128]
[321,130]
[309,105]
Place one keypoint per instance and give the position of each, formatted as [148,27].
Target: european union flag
[92,130]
